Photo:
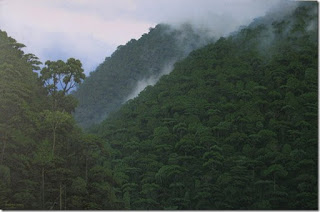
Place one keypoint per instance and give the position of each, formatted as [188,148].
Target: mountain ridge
[229,128]
[138,62]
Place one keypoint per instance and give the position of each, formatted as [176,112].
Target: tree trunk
[54,140]
[274,183]
[87,167]
[60,196]
[42,188]
[253,174]
[65,197]
[3,149]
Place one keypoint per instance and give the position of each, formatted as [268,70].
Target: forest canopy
[233,126]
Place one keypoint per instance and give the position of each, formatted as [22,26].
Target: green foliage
[60,74]
[46,162]
[233,126]
[149,57]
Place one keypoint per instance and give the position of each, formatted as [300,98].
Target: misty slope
[233,126]
[130,68]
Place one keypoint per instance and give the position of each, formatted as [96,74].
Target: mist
[91,30]
[142,84]
[210,21]
[217,20]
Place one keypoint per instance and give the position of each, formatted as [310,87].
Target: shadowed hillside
[131,68]
[233,126]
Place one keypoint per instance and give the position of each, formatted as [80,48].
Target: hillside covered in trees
[233,126]
[132,67]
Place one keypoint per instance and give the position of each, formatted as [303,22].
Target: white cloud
[48,28]
[92,29]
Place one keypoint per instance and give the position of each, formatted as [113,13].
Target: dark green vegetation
[117,77]
[233,126]
[45,160]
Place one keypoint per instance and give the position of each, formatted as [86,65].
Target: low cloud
[90,30]
[54,30]
[152,80]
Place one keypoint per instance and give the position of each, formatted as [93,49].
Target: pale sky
[91,30]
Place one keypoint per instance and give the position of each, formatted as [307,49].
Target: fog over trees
[179,119]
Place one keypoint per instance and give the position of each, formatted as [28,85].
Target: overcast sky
[90,30]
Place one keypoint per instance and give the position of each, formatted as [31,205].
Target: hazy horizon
[92,30]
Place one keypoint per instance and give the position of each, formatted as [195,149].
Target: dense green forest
[145,59]
[46,162]
[233,126]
